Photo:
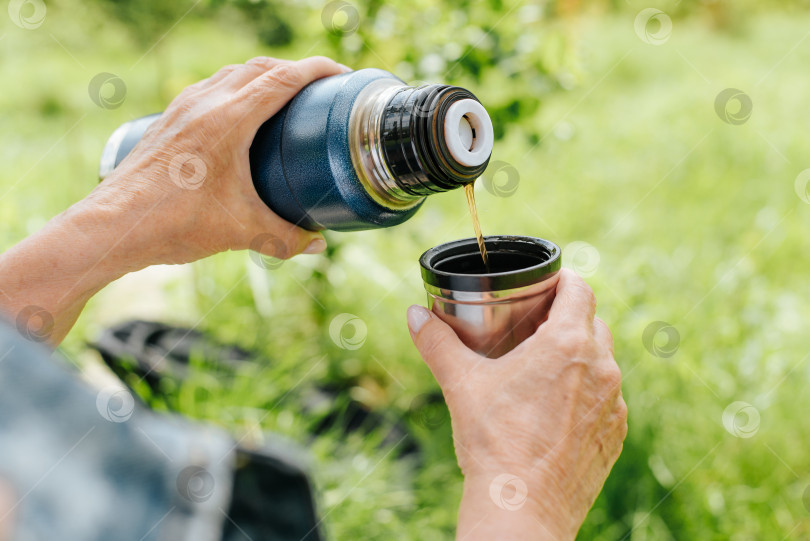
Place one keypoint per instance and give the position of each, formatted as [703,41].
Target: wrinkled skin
[210,125]
[546,421]
[536,430]
[184,193]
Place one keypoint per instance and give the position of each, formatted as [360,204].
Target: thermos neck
[409,142]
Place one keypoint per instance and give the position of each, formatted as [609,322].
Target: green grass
[695,221]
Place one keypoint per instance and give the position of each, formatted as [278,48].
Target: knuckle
[612,377]
[193,88]
[584,289]
[573,342]
[621,412]
[577,285]
[618,451]
[283,252]
[278,80]
[279,245]
[271,246]
[178,111]
[287,74]
[261,61]
[621,430]
[225,70]
[430,340]
[322,59]
[287,247]
[604,326]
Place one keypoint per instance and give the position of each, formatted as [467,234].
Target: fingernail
[316,246]
[417,317]
[346,69]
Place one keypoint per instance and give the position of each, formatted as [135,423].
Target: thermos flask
[359,150]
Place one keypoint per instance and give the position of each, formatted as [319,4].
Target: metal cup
[492,309]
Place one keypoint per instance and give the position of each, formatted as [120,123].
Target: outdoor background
[665,150]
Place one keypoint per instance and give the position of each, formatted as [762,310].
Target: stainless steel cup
[492,309]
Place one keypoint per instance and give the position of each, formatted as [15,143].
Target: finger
[620,408]
[273,236]
[438,345]
[265,95]
[574,302]
[602,334]
[220,74]
[235,76]
[245,73]
[204,84]
[621,414]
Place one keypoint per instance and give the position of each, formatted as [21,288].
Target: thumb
[270,245]
[437,343]
[275,237]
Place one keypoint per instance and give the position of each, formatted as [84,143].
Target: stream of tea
[468,190]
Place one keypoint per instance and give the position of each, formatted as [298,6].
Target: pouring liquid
[468,191]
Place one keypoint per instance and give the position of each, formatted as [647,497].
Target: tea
[468,190]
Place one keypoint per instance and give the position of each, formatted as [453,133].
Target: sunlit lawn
[693,222]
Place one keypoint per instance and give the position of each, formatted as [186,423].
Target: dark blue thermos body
[360,150]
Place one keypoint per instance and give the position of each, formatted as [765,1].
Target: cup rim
[498,281]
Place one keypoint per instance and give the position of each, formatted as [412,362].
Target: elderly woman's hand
[187,184]
[537,430]
[184,192]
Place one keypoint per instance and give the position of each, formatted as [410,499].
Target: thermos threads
[415,143]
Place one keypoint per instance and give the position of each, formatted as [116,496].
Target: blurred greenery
[616,141]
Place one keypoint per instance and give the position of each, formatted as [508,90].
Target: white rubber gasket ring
[482,125]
